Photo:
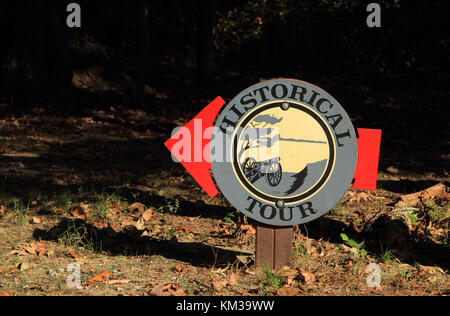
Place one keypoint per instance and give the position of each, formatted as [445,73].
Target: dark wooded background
[160,43]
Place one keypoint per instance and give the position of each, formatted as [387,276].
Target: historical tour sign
[283,152]
[292,152]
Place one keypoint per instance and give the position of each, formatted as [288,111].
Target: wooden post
[273,245]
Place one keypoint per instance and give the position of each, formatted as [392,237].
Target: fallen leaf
[72,254]
[137,207]
[248,229]
[392,169]
[219,285]
[184,228]
[113,282]
[288,272]
[2,211]
[431,269]
[148,215]
[169,289]
[308,277]
[80,212]
[126,223]
[232,280]
[41,251]
[378,288]
[289,291]
[437,191]
[31,249]
[180,269]
[361,196]
[4,293]
[140,224]
[23,266]
[36,220]
[101,277]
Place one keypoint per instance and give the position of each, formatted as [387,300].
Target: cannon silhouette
[271,169]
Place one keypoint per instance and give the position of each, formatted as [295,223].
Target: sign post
[273,246]
[283,152]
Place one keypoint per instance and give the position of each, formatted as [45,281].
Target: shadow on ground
[130,243]
[385,233]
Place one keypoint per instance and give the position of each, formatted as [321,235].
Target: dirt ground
[98,188]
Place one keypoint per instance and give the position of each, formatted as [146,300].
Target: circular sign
[283,152]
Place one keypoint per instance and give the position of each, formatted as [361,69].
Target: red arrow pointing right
[366,172]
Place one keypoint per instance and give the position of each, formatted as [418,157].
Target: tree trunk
[143,53]
[37,61]
[205,40]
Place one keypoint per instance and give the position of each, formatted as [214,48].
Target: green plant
[402,278]
[79,235]
[173,207]
[101,207]
[388,256]
[230,218]
[359,247]
[272,281]
[17,214]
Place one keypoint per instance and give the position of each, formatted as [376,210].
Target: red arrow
[369,141]
[190,146]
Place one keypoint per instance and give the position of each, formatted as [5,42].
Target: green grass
[79,235]
[388,256]
[16,213]
[361,252]
[272,281]
[100,208]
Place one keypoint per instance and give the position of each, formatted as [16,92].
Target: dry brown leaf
[378,288]
[308,277]
[232,280]
[139,224]
[36,220]
[184,228]
[180,269]
[288,272]
[219,285]
[4,293]
[101,277]
[41,251]
[289,291]
[148,215]
[80,212]
[169,289]
[72,254]
[248,229]
[113,282]
[361,196]
[437,191]
[126,223]
[137,207]
[23,266]
[392,169]
[31,249]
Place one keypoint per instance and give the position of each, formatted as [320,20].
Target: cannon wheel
[274,173]
[249,168]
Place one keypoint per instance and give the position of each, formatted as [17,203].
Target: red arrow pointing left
[190,146]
